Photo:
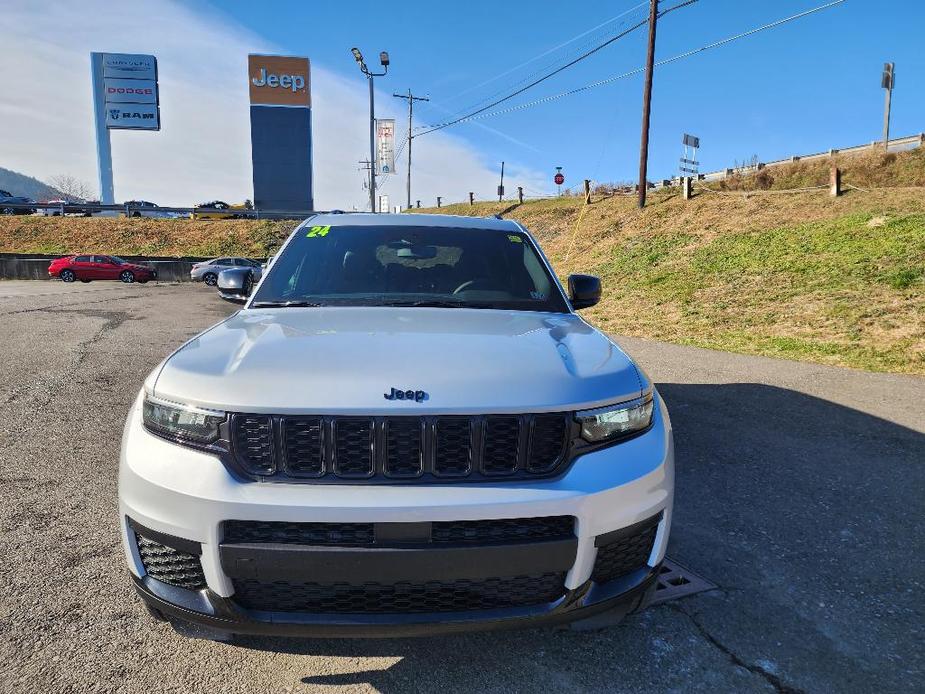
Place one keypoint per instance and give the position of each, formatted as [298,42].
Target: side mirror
[584,290]
[235,284]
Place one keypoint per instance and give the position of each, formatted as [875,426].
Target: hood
[343,360]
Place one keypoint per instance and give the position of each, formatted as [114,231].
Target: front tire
[210,278]
[127,276]
[67,276]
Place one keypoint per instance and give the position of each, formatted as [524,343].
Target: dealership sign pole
[125,97]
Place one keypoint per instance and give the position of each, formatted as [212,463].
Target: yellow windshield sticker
[514,238]
[318,231]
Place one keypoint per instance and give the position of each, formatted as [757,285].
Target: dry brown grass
[140,236]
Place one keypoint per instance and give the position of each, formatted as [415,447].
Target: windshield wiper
[284,304]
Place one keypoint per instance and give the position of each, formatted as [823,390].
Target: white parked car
[208,270]
[406,429]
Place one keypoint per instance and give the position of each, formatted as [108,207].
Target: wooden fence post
[471,199]
[587,192]
[835,181]
[520,194]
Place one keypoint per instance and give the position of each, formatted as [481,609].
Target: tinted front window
[411,265]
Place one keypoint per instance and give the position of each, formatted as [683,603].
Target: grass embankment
[802,276]
[142,236]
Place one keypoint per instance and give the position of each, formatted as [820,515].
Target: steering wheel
[467,284]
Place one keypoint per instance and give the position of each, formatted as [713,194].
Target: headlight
[182,422]
[616,421]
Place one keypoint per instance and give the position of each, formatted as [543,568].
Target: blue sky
[800,88]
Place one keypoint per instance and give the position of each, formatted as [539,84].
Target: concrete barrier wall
[21,266]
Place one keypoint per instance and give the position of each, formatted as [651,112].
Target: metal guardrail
[897,144]
[156,212]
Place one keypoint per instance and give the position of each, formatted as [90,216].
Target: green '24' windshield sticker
[315,232]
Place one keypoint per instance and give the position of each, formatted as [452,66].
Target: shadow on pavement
[800,509]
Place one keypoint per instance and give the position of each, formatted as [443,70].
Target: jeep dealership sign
[281,132]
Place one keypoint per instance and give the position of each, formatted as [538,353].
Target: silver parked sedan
[207,271]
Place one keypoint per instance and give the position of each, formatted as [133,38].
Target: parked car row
[214,209]
[90,267]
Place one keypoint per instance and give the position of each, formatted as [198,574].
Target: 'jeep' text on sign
[275,80]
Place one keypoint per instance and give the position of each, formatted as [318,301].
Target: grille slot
[404,447]
[353,448]
[626,552]
[303,446]
[253,443]
[330,534]
[404,597]
[453,450]
[170,565]
[547,442]
[502,442]
[503,530]
[480,532]
[401,449]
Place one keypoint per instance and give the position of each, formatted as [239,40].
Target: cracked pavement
[799,493]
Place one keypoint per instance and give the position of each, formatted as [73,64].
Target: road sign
[559,179]
[385,146]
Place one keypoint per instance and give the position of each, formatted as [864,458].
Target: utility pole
[366,165]
[887,83]
[647,104]
[384,61]
[411,99]
[501,185]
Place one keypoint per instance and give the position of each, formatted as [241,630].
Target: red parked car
[99,267]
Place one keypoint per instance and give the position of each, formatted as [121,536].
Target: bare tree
[71,188]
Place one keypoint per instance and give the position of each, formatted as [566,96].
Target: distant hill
[20,184]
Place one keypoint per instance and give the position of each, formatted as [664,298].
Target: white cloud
[203,149]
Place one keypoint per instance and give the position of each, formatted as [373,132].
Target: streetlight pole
[384,61]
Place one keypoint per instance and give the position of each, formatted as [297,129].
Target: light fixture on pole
[384,61]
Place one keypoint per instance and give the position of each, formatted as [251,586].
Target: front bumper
[181,493]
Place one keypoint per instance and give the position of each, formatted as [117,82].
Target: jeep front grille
[400,449]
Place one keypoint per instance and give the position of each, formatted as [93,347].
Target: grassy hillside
[871,169]
[141,236]
[802,276]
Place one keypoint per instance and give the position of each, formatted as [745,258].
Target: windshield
[410,266]
[117,260]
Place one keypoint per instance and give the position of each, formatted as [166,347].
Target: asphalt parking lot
[799,493]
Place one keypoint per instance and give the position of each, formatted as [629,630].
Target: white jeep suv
[406,429]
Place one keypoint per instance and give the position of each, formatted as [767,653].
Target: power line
[551,50]
[660,63]
[537,81]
